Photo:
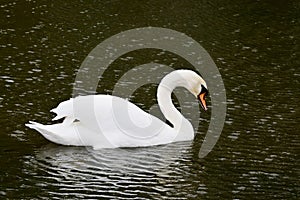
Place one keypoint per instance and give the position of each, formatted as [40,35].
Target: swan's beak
[202,100]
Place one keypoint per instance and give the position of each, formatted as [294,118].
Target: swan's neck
[167,107]
[164,91]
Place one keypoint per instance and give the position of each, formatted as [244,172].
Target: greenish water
[255,45]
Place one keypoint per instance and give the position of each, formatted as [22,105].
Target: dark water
[255,45]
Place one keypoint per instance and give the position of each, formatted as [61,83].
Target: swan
[105,121]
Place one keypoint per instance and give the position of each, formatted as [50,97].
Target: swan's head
[188,79]
[197,86]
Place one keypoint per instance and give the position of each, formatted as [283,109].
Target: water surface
[255,45]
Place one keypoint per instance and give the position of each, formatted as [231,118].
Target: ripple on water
[127,173]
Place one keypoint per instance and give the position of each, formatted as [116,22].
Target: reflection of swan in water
[104,121]
[121,173]
[120,160]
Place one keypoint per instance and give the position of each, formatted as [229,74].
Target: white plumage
[104,121]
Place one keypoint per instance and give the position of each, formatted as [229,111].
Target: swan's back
[99,119]
[102,107]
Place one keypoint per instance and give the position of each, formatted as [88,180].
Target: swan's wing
[95,105]
[119,121]
[128,125]
[97,110]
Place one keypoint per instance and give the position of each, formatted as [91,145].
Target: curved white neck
[164,91]
[167,107]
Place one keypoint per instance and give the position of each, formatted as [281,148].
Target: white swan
[104,121]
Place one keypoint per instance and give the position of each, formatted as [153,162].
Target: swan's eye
[203,90]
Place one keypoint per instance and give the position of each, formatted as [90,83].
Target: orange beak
[201,97]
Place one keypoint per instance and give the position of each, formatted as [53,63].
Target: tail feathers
[43,130]
[61,133]
[57,117]
[37,126]
[33,125]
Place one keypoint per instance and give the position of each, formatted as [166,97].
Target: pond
[255,46]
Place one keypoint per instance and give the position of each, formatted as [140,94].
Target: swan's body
[104,121]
